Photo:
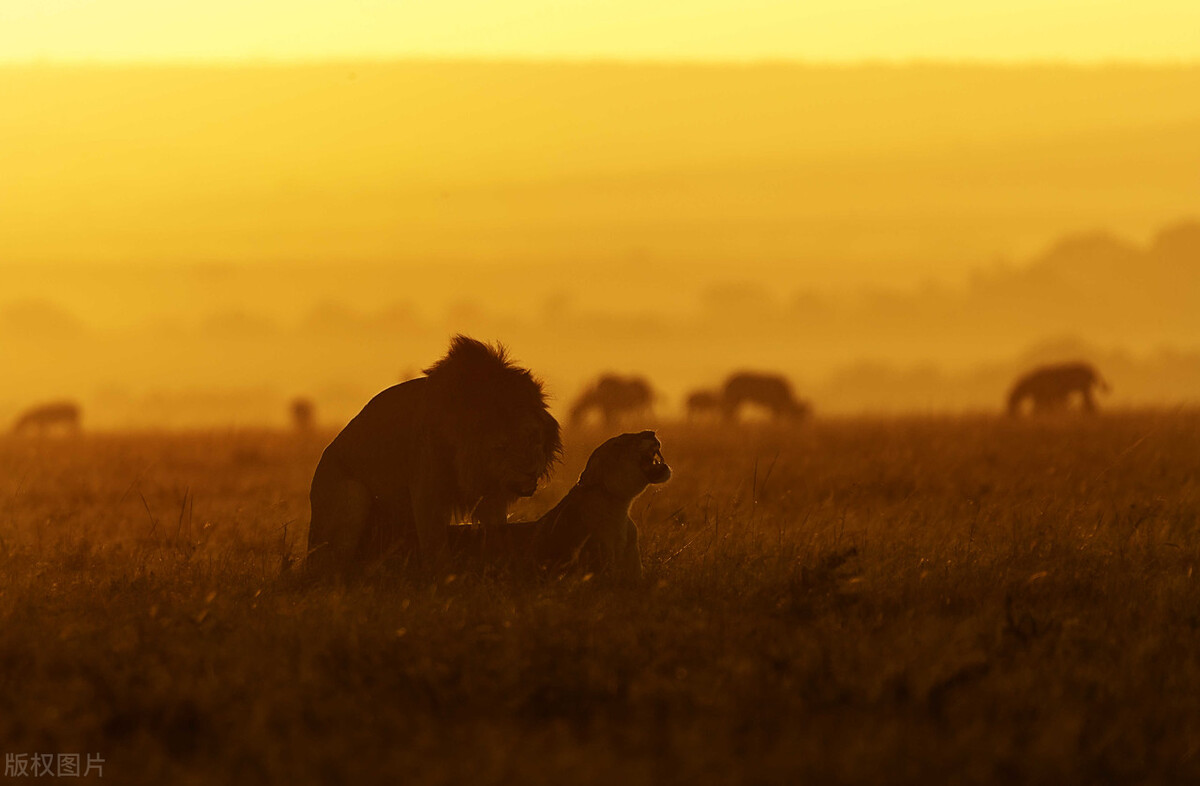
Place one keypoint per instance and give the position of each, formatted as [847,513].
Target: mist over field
[196,244]
[206,353]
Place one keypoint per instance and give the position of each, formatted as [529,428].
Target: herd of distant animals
[426,472]
[614,398]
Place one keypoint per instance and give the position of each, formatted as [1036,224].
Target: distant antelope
[303,413]
[1050,388]
[769,391]
[615,398]
[702,403]
[63,416]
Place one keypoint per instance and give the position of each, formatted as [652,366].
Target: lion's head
[493,415]
[624,465]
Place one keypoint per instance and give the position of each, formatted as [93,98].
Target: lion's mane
[463,441]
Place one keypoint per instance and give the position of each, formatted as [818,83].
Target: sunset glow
[197,195]
[840,30]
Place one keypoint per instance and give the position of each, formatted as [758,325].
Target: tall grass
[965,599]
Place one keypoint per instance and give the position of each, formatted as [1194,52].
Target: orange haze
[417,198]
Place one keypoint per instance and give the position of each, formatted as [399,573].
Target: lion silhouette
[702,404]
[590,528]
[461,442]
[55,416]
[772,392]
[615,398]
[1049,389]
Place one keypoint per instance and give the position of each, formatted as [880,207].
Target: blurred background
[208,209]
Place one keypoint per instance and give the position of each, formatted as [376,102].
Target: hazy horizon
[213,352]
[892,238]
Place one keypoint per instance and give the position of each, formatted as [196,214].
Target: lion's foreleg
[491,514]
[341,507]
[492,510]
[631,560]
[433,512]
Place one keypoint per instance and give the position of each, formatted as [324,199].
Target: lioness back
[590,528]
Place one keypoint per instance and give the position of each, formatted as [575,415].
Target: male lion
[590,527]
[1050,388]
[464,441]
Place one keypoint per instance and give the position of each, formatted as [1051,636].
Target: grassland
[960,600]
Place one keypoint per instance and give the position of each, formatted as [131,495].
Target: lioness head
[624,465]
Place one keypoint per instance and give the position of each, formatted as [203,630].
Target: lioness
[590,527]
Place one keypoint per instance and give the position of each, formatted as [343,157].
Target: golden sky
[1005,30]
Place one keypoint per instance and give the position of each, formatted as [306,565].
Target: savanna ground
[941,599]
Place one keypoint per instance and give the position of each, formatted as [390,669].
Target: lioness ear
[593,471]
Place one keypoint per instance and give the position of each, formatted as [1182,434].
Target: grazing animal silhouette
[465,440]
[590,527]
[60,416]
[769,391]
[1050,388]
[303,413]
[615,398]
[702,403]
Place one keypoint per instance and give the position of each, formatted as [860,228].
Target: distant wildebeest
[1050,388]
[590,527]
[303,413]
[60,416]
[460,443]
[702,403]
[770,391]
[615,398]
